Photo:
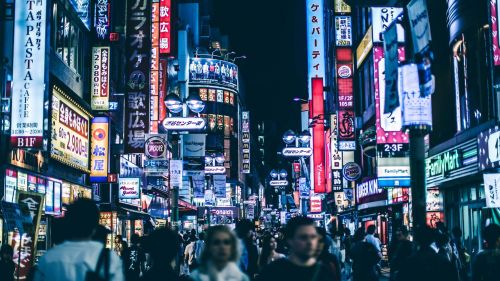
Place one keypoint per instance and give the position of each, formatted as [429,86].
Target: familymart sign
[444,163]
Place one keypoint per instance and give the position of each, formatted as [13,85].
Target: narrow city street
[223,140]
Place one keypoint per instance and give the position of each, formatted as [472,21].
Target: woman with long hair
[218,259]
[268,253]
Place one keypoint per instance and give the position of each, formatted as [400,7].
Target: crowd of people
[300,251]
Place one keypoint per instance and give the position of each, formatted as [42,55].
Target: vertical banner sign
[137,77]
[28,74]
[245,129]
[100,79]
[391,69]
[101,19]
[199,186]
[343,31]
[317,109]
[381,19]
[492,190]
[417,110]
[176,173]
[328,161]
[419,24]
[219,186]
[388,124]
[346,128]
[315,40]
[494,9]
[336,154]
[30,205]
[165,26]
[99,149]
[162,76]
[155,67]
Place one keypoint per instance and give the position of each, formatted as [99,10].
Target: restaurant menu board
[70,132]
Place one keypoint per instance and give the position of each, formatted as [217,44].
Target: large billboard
[137,77]
[28,74]
[69,131]
[99,150]
[100,79]
[317,109]
[214,72]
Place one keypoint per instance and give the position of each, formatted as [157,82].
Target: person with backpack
[302,263]
[79,258]
[365,258]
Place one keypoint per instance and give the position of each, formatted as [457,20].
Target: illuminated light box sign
[28,90]
[129,188]
[213,71]
[444,163]
[99,149]
[278,183]
[369,194]
[343,31]
[183,124]
[102,19]
[382,18]
[156,146]
[165,31]
[69,132]
[297,151]
[316,204]
[215,170]
[315,40]
[393,171]
[100,78]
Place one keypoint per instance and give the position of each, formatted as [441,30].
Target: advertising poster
[219,186]
[419,24]
[199,186]
[129,188]
[69,132]
[28,74]
[137,75]
[492,190]
[99,149]
[100,79]
[213,71]
[417,110]
[391,96]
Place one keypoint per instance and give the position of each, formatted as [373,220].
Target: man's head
[492,236]
[371,229]
[302,237]
[163,245]
[425,236]
[402,233]
[244,229]
[82,218]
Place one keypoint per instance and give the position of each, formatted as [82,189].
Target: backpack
[103,260]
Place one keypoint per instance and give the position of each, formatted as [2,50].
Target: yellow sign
[364,47]
[70,132]
[342,7]
[99,149]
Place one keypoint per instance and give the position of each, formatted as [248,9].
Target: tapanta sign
[100,79]
[443,163]
[99,149]
[129,188]
[28,73]
[69,132]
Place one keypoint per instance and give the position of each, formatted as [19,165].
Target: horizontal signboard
[184,123]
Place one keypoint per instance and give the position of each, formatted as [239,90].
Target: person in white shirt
[79,256]
[370,238]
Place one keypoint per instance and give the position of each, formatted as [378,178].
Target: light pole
[279,181]
[177,121]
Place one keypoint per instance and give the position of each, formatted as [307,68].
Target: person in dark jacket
[330,261]
[249,252]
[365,258]
[7,266]
[402,250]
[162,245]
[425,263]
[486,266]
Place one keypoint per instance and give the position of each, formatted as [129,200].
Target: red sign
[345,91]
[433,218]
[165,26]
[112,178]
[317,111]
[296,168]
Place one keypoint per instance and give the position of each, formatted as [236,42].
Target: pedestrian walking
[249,253]
[486,266]
[268,253]
[79,258]
[163,246]
[133,259]
[219,258]
[301,237]
[331,261]
[402,249]
[365,257]
[7,266]
[426,264]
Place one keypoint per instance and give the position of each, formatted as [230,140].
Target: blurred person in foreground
[426,264]
[324,256]
[268,253]
[79,258]
[301,264]
[219,257]
[365,258]
[486,266]
[163,246]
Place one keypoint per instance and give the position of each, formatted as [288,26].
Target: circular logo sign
[351,171]
[99,134]
[344,71]
[156,147]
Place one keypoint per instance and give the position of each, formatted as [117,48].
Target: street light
[289,137]
[283,173]
[273,173]
[305,137]
[195,103]
[297,99]
[173,103]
